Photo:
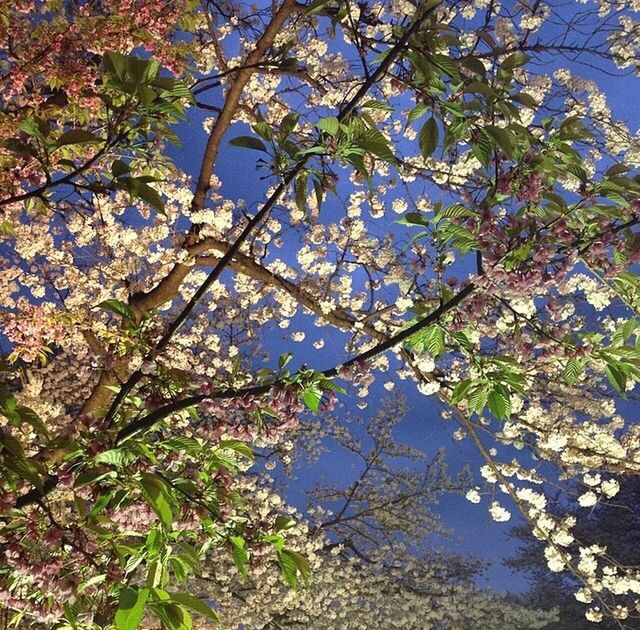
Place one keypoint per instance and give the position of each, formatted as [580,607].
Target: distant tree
[617,522]
[365,544]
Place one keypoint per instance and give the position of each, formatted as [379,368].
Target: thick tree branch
[102,391]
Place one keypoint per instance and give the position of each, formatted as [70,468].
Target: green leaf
[373,141]
[131,607]
[314,151]
[240,553]
[16,460]
[428,138]
[283,523]
[357,161]
[99,505]
[373,104]
[141,71]
[479,87]
[189,556]
[573,370]
[19,414]
[462,339]
[477,399]
[35,127]
[160,595]
[431,339]
[29,416]
[300,189]
[460,391]
[195,604]
[115,456]
[525,99]
[119,168]
[624,332]
[137,187]
[287,125]
[8,405]
[578,171]
[16,146]
[316,6]
[263,129]
[329,125]
[7,229]
[274,539]
[174,616]
[317,188]
[291,562]
[155,572]
[10,444]
[616,169]
[92,581]
[435,341]
[179,89]
[481,149]
[312,399]
[158,496]
[117,307]
[242,448]
[284,360]
[93,476]
[502,137]
[417,112]
[455,211]
[516,60]
[115,64]
[499,402]
[77,136]
[150,195]
[617,377]
[475,65]
[414,218]
[248,142]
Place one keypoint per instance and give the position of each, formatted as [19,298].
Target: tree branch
[205,174]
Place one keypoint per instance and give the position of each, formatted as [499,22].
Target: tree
[362,571]
[142,309]
[617,523]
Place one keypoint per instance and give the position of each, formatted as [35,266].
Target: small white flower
[592,480]
[473,496]
[448,259]
[149,367]
[399,206]
[588,499]
[498,513]
[488,474]
[429,388]
[594,615]
[584,595]
[554,558]
[403,303]
[610,487]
